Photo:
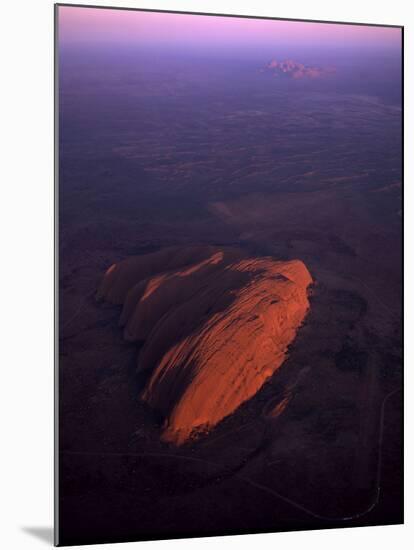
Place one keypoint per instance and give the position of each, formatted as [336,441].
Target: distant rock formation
[216,326]
[291,69]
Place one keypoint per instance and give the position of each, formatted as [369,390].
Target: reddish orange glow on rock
[216,326]
[279,408]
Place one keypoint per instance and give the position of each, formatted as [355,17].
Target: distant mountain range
[292,69]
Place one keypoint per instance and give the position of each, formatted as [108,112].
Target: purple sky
[121,26]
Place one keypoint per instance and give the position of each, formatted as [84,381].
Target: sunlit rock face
[216,326]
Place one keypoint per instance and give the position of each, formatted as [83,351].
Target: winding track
[265,414]
[264,488]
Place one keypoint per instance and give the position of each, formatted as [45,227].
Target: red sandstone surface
[216,326]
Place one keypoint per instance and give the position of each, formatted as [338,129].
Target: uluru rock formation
[216,326]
